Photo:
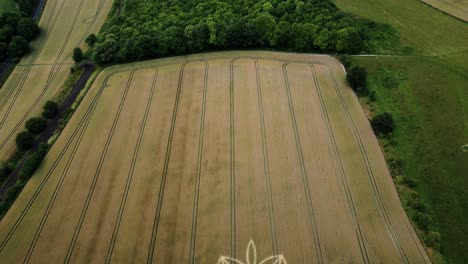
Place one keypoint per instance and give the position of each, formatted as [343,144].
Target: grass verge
[428,101]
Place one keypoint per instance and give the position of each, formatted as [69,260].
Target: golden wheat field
[456,8]
[199,159]
[40,75]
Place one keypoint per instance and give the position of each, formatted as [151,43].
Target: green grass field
[429,106]
[8,6]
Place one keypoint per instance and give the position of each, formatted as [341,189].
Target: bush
[36,125]
[383,124]
[346,61]
[5,170]
[24,141]
[372,96]
[357,77]
[51,109]
[433,239]
[91,40]
[423,221]
[77,55]
[10,197]
[33,162]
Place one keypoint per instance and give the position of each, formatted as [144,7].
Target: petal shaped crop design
[251,257]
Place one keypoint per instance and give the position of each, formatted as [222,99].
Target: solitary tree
[383,124]
[51,109]
[36,125]
[77,55]
[356,78]
[24,141]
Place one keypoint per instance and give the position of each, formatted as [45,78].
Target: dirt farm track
[187,159]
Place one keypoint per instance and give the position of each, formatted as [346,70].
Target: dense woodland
[157,28]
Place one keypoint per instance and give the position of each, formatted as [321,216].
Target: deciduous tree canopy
[15,32]
[148,29]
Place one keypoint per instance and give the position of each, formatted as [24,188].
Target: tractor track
[102,159]
[266,163]
[232,173]
[305,176]
[41,42]
[83,122]
[193,236]
[370,173]
[56,67]
[131,170]
[82,127]
[162,186]
[343,177]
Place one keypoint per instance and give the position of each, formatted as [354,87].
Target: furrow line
[52,74]
[233,160]
[97,173]
[370,172]
[305,179]
[343,178]
[162,186]
[131,170]
[266,164]
[54,165]
[193,236]
[58,187]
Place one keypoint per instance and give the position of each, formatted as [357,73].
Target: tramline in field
[39,76]
[194,159]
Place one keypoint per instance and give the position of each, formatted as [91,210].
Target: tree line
[15,33]
[150,29]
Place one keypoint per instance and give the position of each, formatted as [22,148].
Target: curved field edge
[349,99]
[436,80]
[451,8]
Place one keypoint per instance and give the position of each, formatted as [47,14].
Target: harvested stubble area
[39,76]
[187,159]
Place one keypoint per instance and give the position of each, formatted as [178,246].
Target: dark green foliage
[27,6]
[423,221]
[24,141]
[383,124]
[27,28]
[36,125]
[372,96]
[346,61]
[33,162]
[433,239]
[51,109]
[17,47]
[15,32]
[91,40]
[5,169]
[357,77]
[3,51]
[9,197]
[348,41]
[161,28]
[77,54]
